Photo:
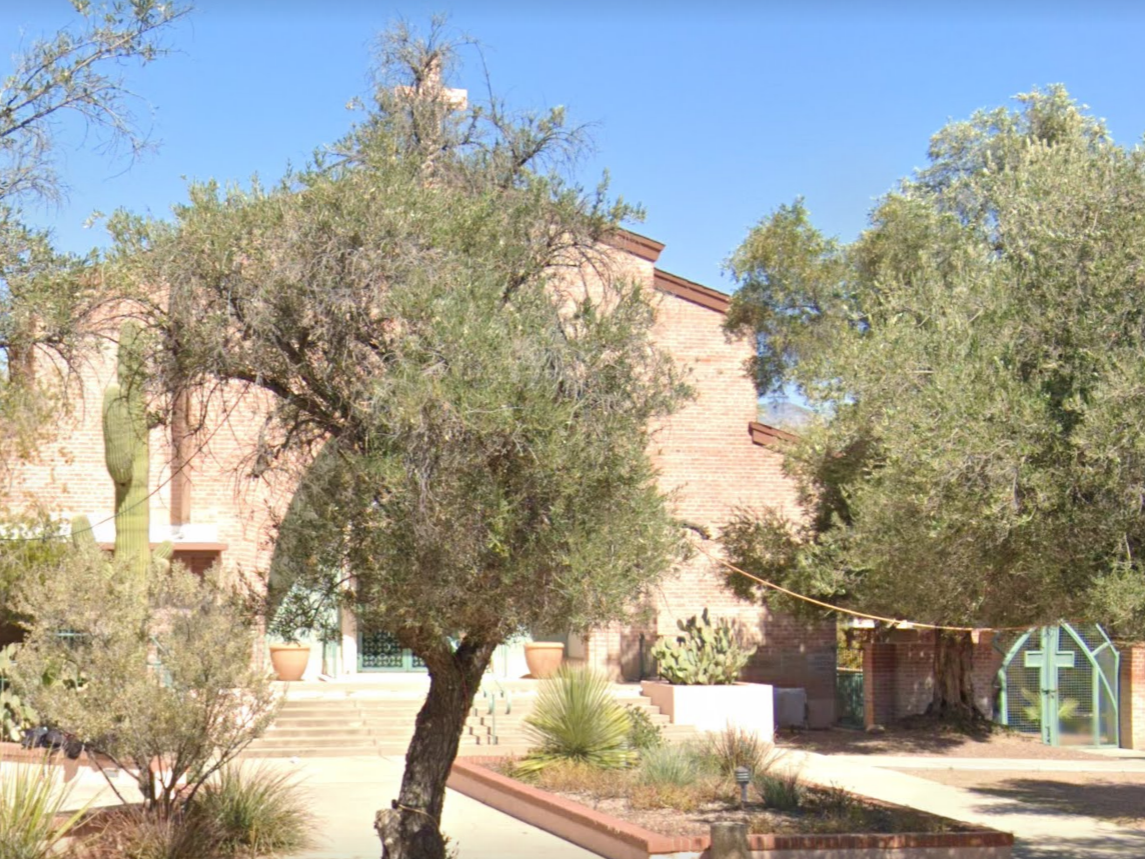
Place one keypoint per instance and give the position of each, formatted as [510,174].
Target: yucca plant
[30,806]
[576,718]
[255,810]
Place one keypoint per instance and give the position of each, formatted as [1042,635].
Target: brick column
[1131,707]
[878,683]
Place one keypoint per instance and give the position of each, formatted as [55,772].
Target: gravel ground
[1119,799]
[929,739]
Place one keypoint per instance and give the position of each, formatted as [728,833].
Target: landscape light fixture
[743,779]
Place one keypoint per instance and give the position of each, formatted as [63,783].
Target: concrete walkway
[931,762]
[1039,832]
[347,791]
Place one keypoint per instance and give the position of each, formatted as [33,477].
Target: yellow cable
[905,624]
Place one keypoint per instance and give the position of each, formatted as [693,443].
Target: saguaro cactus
[127,453]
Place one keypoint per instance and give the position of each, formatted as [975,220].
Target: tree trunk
[411,829]
[954,677]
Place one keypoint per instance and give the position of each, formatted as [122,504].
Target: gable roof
[649,250]
[691,291]
[769,436]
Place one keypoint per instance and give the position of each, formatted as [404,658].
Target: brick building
[712,452]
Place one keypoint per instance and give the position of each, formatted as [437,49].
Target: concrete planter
[746,706]
[290,660]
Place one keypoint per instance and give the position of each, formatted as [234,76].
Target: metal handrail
[492,695]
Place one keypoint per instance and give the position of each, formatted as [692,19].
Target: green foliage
[32,803]
[15,714]
[1032,708]
[576,718]
[782,791]
[974,359]
[643,733]
[127,450]
[704,655]
[463,380]
[668,765]
[256,810]
[167,664]
[307,609]
[50,300]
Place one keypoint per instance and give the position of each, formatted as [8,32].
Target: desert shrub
[781,790]
[134,833]
[643,733]
[256,810]
[576,718]
[724,751]
[167,666]
[668,765]
[30,802]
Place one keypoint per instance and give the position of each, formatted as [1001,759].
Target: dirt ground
[1117,798]
[931,739]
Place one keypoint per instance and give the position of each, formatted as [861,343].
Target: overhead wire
[900,623]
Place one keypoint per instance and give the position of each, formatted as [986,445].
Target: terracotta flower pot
[289,660]
[544,658]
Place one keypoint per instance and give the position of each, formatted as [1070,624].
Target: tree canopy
[464,378]
[48,298]
[977,360]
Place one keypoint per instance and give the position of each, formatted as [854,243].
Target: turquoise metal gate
[1061,682]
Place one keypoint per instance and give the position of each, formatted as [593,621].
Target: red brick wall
[898,676]
[1131,708]
[707,458]
[69,476]
[705,454]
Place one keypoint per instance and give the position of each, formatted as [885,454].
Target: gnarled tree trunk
[411,829]
[954,676]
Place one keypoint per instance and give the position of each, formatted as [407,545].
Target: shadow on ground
[1080,847]
[918,737]
[1123,804]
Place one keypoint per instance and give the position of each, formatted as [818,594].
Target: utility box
[790,707]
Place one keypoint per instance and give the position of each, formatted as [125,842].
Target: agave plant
[576,718]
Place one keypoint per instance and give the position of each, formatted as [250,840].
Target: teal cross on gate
[1048,660]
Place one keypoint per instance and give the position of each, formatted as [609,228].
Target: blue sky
[710,115]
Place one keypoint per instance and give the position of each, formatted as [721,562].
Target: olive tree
[977,359]
[463,380]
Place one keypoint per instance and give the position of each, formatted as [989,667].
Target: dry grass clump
[687,798]
[581,778]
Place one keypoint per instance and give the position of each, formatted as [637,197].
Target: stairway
[345,722]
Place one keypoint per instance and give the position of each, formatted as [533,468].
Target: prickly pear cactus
[127,452]
[15,714]
[703,655]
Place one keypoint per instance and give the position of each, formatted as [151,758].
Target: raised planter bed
[745,706]
[14,753]
[618,839]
